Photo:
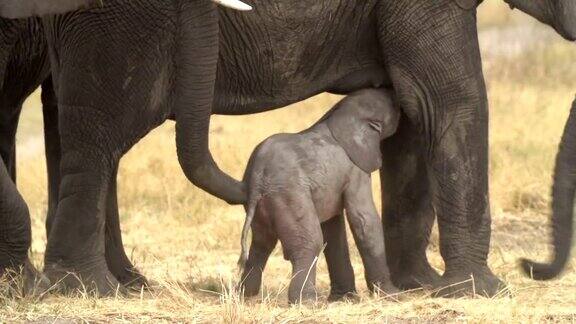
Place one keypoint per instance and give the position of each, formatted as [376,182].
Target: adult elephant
[190,28]
[407,192]
[427,51]
[24,66]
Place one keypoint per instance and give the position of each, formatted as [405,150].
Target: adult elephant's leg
[75,254]
[52,148]
[408,214]
[434,62]
[15,232]
[342,281]
[118,262]
[15,229]
[9,116]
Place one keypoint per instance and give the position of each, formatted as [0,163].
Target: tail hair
[244,241]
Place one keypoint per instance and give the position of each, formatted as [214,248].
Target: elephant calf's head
[360,122]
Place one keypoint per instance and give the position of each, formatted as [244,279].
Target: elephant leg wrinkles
[9,116]
[116,259]
[408,214]
[15,238]
[15,233]
[442,92]
[78,244]
[102,117]
[52,147]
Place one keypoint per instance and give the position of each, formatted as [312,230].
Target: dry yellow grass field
[188,242]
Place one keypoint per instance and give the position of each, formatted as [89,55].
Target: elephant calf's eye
[375,125]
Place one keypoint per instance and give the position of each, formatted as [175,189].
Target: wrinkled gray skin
[297,182]
[28,8]
[281,53]
[24,65]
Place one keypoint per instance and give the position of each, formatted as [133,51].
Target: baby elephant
[298,181]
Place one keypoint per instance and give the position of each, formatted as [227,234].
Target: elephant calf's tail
[247,224]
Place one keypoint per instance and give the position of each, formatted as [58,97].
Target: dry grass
[188,242]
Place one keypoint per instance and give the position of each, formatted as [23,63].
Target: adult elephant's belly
[229,100]
[288,51]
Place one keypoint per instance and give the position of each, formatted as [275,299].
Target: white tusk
[234,4]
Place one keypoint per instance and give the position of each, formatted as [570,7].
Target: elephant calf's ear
[468,4]
[357,138]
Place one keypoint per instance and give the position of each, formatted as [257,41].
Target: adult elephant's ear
[357,135]
[28,8]
[468,4]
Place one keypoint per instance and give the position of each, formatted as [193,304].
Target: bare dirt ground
[188,242]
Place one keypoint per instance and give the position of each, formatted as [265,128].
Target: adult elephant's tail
[563,192]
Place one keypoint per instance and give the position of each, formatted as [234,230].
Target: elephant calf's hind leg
[263,242]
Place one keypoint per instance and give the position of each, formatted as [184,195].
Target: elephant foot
[25,280]
[415,277]
[35,282]
[386,289]
[479,283]
[95,280]
[249,291]
[338,296]
[250,284]
[132,279]
[305,298]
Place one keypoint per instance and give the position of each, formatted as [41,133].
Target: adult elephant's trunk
[560,14]
[28,8]
[563,192]
[196,60]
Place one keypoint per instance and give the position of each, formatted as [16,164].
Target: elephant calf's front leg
[367,230]
[337,255]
